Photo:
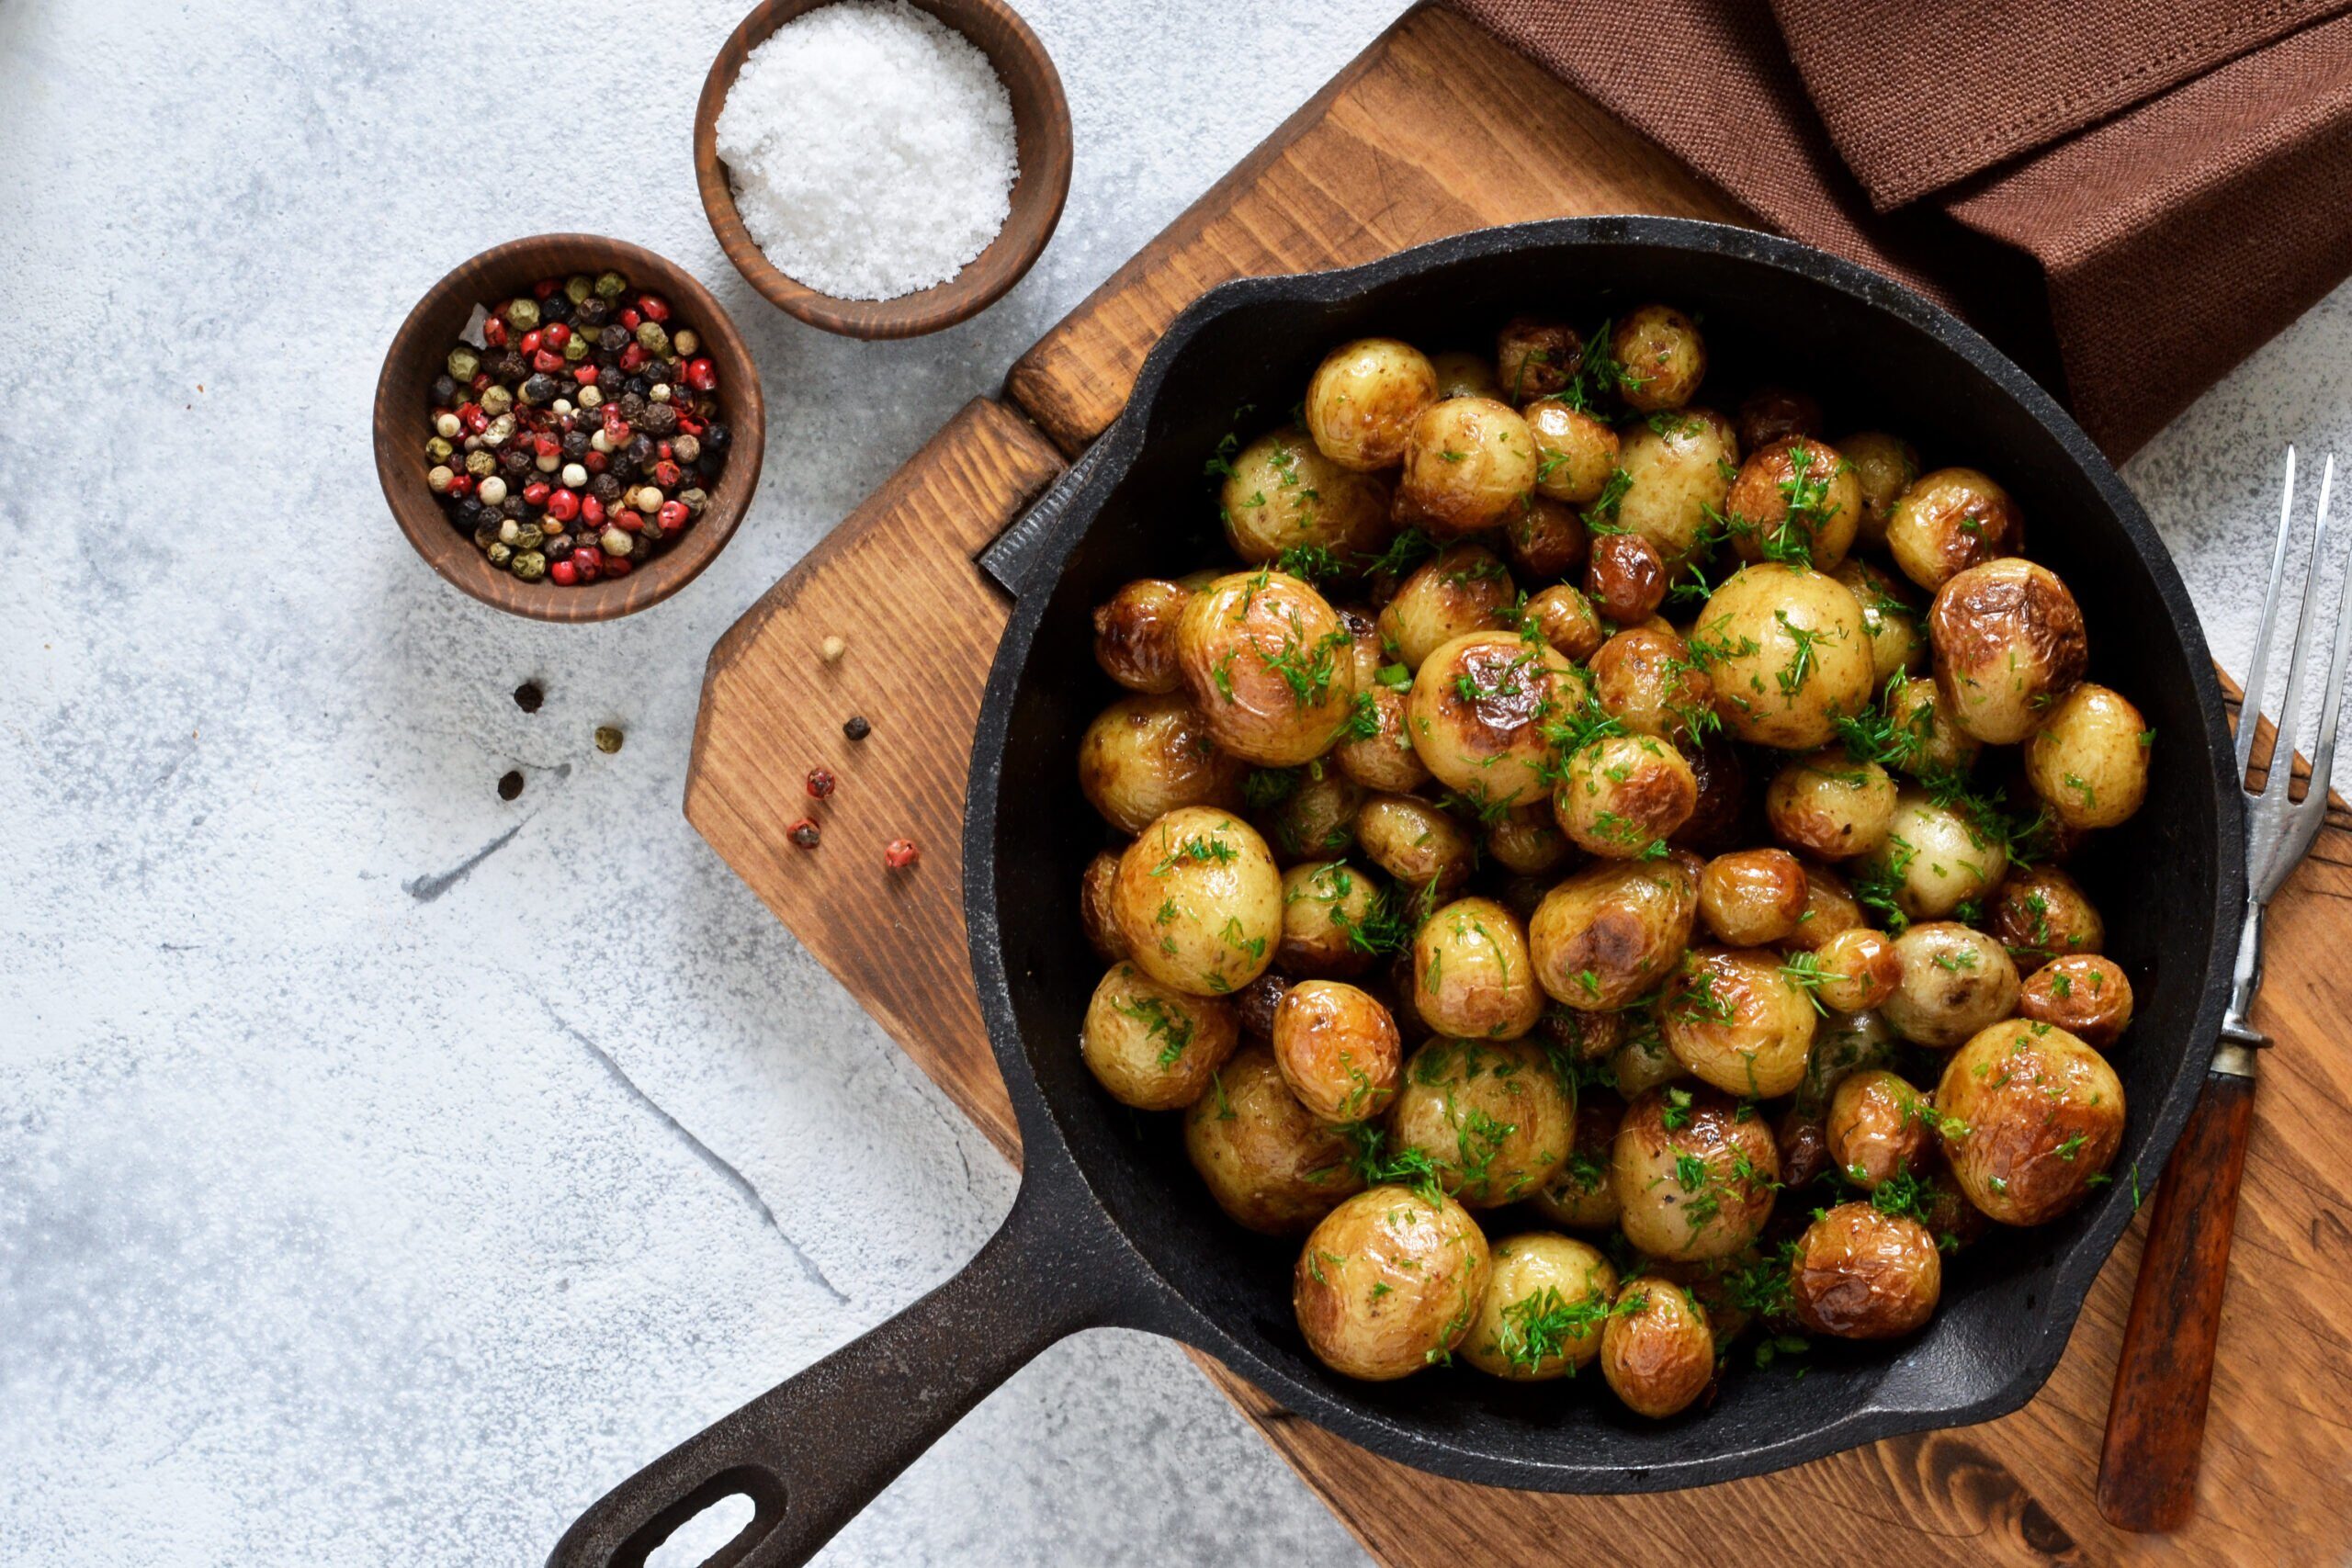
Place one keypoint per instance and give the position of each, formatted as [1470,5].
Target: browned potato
[2009,643]
[1384,759]
[1859,969]
[1329,910]
[1269,665]
[1640,1061]
[1878,1127]
[1315,815]
[1254,1004]
[1935,857]
[1545,1302]
[1695,1172]
[1677,470]
[1135,634]
[1102,934]
[1956,981]
[1861,1274]
[1453,592]
[1461,374]
[1614,930]
[1843,1043]
[1536,357]
[1885,465]
[1415,843]
[1469,464]
[1567,621]
[1802,1138]
[2090,761]
[1575,452]
[1270,1166]
[1284,494]
[1363,397]
[1933,739]
[1898,632]
[1657,1354]
[1152,1047]
[1647,680]
[1338,1049]
[1788,653]
[1545,538]
[1620,796]
[1144,756]
[1389,1282]
[1716,822]
[1829,908]
[1775,413]
[1198,901]
[1492,1116]
[1737,1020]
[2030,1116]
[2041,913]
[1471,972]
[1526,840]
[1752,898]
[1795,494]
[1581,1197]
[1948,521]
[1828,805]
[1625,578]
[2087,996]
[1662,356]
[1478,711]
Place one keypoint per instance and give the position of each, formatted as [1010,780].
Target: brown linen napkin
[2127,264]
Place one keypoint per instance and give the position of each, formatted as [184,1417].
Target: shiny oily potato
[1471,972]
[1152,1047]
[1330,912]
[1738,1021]
[1363,397]
[1898,634]
[1269,666]
[1946,522]
[1254,1004]
[1787,654]
[1829,907]
[1620,796]
[1677,473]
[1338,1049]
[2090,761]
[1415,843]
[1625,578]
[1478,711]
[1718,820]
[1956,981]
[1935,857]
[1545,538]
[2030,1114]
[1775,413]
[1314,819]
[1878,1127]
[1144,756]
[1585,1036]
[1657,1355]
[1828,805]
[2041,913]
[1582,1197]
[1857,970]
[1527,841]
[1103,933]
[1536,357]
[1389,1282]
[1802,1138]
[1843,1043]
[1857,1273]
[2087,996]
[1453,594]
[1694,1171]
[1567,621]
[1647,680]
[1575,452]
[1135,634]
[1544,1310]
[1271,1167]
[1884,467]
[1198,901]
[1383,760]
[1797,491]
[2008,643]
[1933,742]
[1751,897]
[1612,932]
[1661,356]
[1492,1116]
[1469,465]
[1641,1062]
[1461,374]
[1284,494]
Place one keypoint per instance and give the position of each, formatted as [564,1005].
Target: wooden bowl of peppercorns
[603,384]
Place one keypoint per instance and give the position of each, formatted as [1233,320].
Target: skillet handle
[816,1449]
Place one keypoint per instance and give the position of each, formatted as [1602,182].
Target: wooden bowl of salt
[874,82]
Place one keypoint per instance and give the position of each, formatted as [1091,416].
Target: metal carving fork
[2156,1425]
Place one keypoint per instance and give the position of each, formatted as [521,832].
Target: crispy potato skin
[2087,996]
[1414,842]
[1938,744]
[1461,374]
[1829,908]
[1469,465]
[1103,933]
[1492,1116]
[1674,476]
[1657,1354]
[1737,1021]
[1861,1274]
[1567,620]
[1752,898]
[1878,1127]
[1935,857]
[1152,1047]
[1316,819]
[1536,357]
[1200,902]
[1625,578]
[1453,592]
[1388,1283]
[2041,913]
[1622,796]
[1524,1330]
[1575,453]
[1271,1167]
[1674,1209]
[1478,710]
[1338,1049]
[1885,465]
[2009,643]
[1947,521]
[1614,930]
[1471,972]
[1859,969]
[1545,538]
[1144,756]
[1796,488]
[1135,634]
[2031,1115]
[1828,805]
[1582,1196]
[1663,355]
[1363,399]
[1528,841]
[1647,680]
[1788,653]
[2090,761]
[1325,903]
[1956,981]
[1269,664]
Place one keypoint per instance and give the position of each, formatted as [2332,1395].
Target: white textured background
[385,1168]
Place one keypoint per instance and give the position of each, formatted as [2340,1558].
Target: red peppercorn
[589,561]
[631,320]
[665,474]
[563,505]
[530,342]
[546,362]
[619,566]
[673,516]
[555,335]
[901,853]
[494,331]
[689,425]
[804,832]
[701,374]
[563,572]
[633,358]
[821,782]
[661,450]
[616,427]
[656,309]
[536,492]
[628,519]
[594,462]
[544,287]
[547,447]
[473,418]
[592,512]
[585,375]
[460,485]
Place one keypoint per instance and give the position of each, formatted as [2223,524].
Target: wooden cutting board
[1434,130]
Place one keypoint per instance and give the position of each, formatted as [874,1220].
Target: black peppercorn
[555,308]
[576,443]
[528,696]
[591,312]
[515,460]
[512,506]
[717,440]
[639,451]
[539,388]
[660,420]
[639,386]
[606,487]
[509,366]
[444,391]
[858,728]
[614,338]
[510,785]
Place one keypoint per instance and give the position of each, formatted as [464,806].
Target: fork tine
[2250,706]
[2290,707]
[2323,753]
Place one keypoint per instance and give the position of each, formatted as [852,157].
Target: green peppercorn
[575,349]
[684,341]
[440,451]
[522,312]
[528,564]
[650,534]
[497,400]
[608,738]
[499,554]
[529,536]
[696,499]
[486,533]
[578,286]
[652,336]
[463,363]
[685,448]
[611,285]
[482,464]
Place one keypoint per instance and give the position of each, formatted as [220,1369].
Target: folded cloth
[2126,250]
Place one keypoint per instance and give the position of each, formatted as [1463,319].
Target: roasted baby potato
[1640,1061]
[1884,467]
[1415,843]
[1661,356]
[1829,907]
[1582,1197]
[2087,996]
[1657,1354]
[1948,521]
[1857,1273]
[1898,631]
[1269,666]
[1151,1047]
[1736,1018]
[1330,913]
[1471,972]
[1135,634]
[1828,805]
[2008,644]
[2041,913]
[1878,1127]
[1621,795]
[1527,841]
[1796,494]
[1285,494]
[1453,594]
[1775,413]
[1567,621]
[1478,711]
[1314,817]
[2089,759]
[1469,465]
[1536,357]
[1956,981]
[1614,930]
[1936,857]
[1547,1301]
[1649,681]
[1716,823]
[1575,452]
[1338,1049]
[1102,934]
[1461,374]
[1545,538]
[1144,756]
[1857,969]
[1198,901]
[1388,1283]
[1787,654]
[1694,1173]
[1752,898]
[1270,1166]
[1491,1115]
[2030,1116]
[1677,470]
[1363,399]
[1625,578]
[1930,739]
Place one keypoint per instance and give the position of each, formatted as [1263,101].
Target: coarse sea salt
[871,148]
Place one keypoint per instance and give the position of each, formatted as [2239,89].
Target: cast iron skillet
[1112,1226]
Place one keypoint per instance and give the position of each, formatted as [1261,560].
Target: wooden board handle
[2156,1427]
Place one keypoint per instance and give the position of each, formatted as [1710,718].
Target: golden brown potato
[1614,930]
[1657,1354]
[1269,665]
[1453,592]
[1492,1116]
[1329,910]
[1829,908]
[1585,1036]
[1956,981]
[1752,898]
[1802,1138]
[1625,578]
[1536,357]
[1388,1283]
[1471,972]
[2041,913]
[1461,374]
[1526,840]
[1932,740]
[1787,651]
[1363,397]
[1935,857]
[1545,1302]
[1677,470]
[1843,1043]
[1647,680]
[1198,901]
[1885,465]
[1828,805]
[1661,355]
[1716,822]
[1270,1166]
[1284,494]
[1338,1049]
[1775,413]
[1567,621]
[1878,1127]
[1575,452]
[1478,711]
[1857,970]
[1545,538]
[1795,495]
[1581,1197]
[1948,521]
[1135,634]
[1415,843]
[1144,756]
[2090,761]
[2009,643]
[1640,1061]
[1898,633]
[1384,759]
[1152,1047]
[1620,796]
[1738,1021]
[1861,1274]
[2087,996]
[1694,1171]
[1469,464]
[2029,1115]
[1102,934]
[1314,816]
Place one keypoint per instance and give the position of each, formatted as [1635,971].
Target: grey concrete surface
[386,1169]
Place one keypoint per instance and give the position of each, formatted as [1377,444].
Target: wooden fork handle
[2156,1427]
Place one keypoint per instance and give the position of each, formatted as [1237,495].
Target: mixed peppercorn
[581,435]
